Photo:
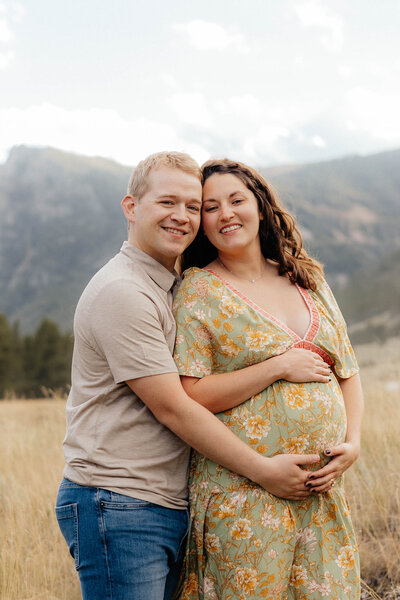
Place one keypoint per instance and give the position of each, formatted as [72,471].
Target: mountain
[348,209]
[61,220]
[371,301]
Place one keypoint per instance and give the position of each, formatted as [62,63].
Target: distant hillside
[371,301]
[348,209]
[61,220]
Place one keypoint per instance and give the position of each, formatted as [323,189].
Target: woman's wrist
[355,444]
[277,366]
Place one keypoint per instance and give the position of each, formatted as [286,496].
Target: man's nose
[180,213]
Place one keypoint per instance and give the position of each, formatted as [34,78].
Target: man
[122,506]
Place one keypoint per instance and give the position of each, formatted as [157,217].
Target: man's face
[167,217]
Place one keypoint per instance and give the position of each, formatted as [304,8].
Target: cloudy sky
[265,81]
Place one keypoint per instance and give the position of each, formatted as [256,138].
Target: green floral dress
[244,542]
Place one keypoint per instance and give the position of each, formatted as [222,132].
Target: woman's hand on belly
[300,365]
[286,479]
[343,456]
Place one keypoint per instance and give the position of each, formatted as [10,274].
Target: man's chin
[180,245]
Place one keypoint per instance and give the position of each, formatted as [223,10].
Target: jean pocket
[67,517]
[120,501]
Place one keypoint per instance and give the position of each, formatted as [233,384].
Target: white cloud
[6,34]
[345,71]
[314,14]
[318,141]
[168,79]
[191,109]
[8,12]
[205,35]
[246,126]
[6,58]
[374,113]
[18,11]
[93,132]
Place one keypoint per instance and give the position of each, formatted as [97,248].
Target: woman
[253,294]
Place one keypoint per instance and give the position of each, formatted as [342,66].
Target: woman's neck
[245,264]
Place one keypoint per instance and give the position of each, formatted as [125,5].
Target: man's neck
[167,262]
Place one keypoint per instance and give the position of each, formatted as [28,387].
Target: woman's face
[230,215]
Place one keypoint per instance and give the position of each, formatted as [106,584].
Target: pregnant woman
[252,294]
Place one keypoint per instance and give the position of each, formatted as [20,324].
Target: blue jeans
[124,548]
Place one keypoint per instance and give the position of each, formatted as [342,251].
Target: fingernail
[313,490]
[308,484]
[311,477]
[327,451]
[330,378]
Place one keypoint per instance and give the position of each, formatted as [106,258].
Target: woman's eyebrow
[230,196]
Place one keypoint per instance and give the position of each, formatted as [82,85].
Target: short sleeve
[334,330]
[193,314]
[127,329]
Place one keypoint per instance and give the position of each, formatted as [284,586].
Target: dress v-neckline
[313,325]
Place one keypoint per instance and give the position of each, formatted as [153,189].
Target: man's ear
[128,206]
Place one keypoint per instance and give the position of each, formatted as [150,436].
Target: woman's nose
[226,212]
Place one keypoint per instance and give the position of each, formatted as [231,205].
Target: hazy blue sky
[265,81]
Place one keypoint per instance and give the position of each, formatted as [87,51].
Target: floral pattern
[244,542]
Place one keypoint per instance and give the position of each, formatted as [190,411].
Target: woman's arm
[343,455]
[224,391]
[281,475]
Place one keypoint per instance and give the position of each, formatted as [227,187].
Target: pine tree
[7,356]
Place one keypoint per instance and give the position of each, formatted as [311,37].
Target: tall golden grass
[34,561]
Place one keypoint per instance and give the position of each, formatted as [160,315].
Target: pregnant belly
[306,418]
[291,418]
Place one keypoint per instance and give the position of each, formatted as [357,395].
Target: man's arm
[198,427]
[223,391]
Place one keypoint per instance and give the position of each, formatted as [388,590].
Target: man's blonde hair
[137,185]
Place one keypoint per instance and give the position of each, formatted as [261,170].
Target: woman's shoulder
[198,285]
[194,273]
[325,294]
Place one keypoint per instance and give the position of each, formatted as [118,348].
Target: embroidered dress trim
[314,348]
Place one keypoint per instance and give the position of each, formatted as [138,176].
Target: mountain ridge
[62,221]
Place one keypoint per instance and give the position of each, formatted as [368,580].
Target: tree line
[32,364]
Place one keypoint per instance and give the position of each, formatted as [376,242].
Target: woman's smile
[230,212]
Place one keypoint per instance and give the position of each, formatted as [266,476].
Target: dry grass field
[34,562]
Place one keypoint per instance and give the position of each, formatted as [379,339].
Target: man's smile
[175,231]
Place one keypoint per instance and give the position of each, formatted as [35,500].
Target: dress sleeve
[338,341]
[193,313]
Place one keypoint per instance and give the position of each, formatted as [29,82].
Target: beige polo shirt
[124,329]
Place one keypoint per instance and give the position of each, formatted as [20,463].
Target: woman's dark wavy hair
[280,239]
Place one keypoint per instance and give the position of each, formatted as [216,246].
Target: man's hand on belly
[286,479]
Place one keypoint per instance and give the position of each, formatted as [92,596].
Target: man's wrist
[258,468]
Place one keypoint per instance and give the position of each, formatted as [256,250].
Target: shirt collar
[156,271]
